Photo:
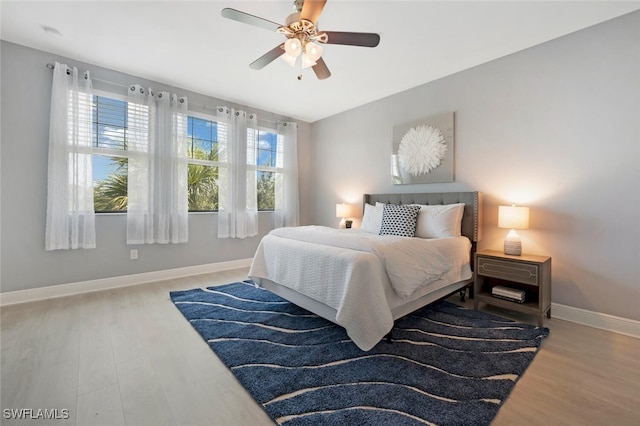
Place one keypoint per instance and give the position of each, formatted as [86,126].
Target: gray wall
[25,104]
[555,127]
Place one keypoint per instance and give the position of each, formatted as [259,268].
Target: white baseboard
[49,292]
[606,322]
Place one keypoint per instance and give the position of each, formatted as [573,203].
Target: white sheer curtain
[237,197]
[286,182]
[157,204]
[70,220]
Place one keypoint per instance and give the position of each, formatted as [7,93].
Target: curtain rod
[52,66]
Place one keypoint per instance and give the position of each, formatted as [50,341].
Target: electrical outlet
[133,254]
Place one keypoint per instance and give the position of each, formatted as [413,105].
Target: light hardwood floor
[128,356]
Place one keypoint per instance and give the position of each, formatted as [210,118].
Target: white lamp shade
[293,47]
[513,217]
[291,60]
[313,50]
[343,210]
[306,61]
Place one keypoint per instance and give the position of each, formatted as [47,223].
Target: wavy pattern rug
[446,365]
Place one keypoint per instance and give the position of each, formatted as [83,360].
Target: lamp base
[514,248]
[512,244]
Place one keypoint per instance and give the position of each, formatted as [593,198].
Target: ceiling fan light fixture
[293,47]
[291,60]
[307,62]
[313,50]
[302,37]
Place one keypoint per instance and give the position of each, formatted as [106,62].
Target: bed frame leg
[463,292]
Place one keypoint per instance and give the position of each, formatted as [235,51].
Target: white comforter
[410,263]
[350,271]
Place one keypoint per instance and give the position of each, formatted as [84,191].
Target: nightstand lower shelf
[531,308]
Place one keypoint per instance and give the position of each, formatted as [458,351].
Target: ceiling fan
[304,40]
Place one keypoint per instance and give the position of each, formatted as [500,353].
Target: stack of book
[507,293]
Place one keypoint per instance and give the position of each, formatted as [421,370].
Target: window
[203,164]
[110,154]
[110,127]
[266,143]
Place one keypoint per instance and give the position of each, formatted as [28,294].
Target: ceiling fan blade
[311,10]
[321,70]
[246,18]
[352,39]
[268,57]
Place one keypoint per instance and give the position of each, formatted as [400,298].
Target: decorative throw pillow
[399,220]
[372,218]
[440,221]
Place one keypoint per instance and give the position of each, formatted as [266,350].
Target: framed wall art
[423,150]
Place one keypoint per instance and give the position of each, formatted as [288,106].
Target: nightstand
[527,272]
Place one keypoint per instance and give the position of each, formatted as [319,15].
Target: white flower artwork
[421,149]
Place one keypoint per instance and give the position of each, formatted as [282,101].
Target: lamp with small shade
[512,217]
[343,210]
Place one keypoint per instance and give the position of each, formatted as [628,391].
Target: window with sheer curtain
[286,204]
[110,158]
[70,221]
[237,197]
[111,132]
[157,167]
[233,166]
[259,169]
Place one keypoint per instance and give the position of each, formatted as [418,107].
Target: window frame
[124,153]
[200,162]
[270,169]
[107,152]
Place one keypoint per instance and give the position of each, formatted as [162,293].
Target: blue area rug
[446,365]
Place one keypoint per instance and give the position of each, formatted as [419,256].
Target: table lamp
[512,217]
[343,211]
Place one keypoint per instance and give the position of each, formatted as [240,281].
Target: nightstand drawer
[513,271]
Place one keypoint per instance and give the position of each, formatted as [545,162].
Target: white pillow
[372,218]
[440,221]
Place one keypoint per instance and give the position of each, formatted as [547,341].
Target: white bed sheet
[352,280]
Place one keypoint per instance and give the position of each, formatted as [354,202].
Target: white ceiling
[189,45]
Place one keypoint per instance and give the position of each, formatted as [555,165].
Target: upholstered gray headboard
[471,220]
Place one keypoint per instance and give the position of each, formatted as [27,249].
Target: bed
[357,287]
